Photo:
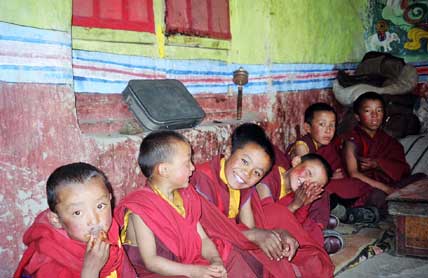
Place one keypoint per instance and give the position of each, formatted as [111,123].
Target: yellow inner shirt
[177,204]
[234,194]
[283,190]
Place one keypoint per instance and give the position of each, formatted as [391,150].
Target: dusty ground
[387,266]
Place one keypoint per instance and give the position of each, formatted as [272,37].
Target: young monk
[373,156]
[273,229]
[76,236]
[297,189]
[320,125]
[161,228]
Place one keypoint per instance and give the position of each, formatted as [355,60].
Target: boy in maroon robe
[297,189]
[228,183]
[160,222]
[374,157]
[76,236]
[320,126]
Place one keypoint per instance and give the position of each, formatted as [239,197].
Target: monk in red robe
[373,156]
[227,183]
[176,236]
[77,236]
[320,126]
[297,189]
[161,221]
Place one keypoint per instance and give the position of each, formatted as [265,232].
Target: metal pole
[239,104]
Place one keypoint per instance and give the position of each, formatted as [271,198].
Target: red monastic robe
[176,235]
[389,154]
[273,181]
[51,252]
[310,260]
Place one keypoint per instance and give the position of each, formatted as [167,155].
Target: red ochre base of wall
[45,126]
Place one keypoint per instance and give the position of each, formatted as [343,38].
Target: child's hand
[338,174]
[367,163]
[305,195]
[313,191]
[270,242]
[211,271]
[388,189]
[289,244]
[299,199]
[219,268]
[96,255]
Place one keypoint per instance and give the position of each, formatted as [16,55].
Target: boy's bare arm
[209,252]
[146,243]
[263,190]
[246,215]
[352,167]
[299,149]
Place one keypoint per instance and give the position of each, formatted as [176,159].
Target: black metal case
[162,104]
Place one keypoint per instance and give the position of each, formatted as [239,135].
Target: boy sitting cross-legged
[160,221]
[76,236]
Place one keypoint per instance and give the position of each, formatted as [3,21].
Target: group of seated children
[244,214]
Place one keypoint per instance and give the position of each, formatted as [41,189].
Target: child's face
[181,167]
[307,172]
[247,166]
[370,115]
[84,208]
[322,127]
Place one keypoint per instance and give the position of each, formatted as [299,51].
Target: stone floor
[388,266]
[362,262]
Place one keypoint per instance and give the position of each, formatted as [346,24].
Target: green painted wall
[297,31]
[45,14]
[263,31]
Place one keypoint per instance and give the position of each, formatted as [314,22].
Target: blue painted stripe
[97,85]
[99,80]
[48,78]
[33,68]
[419,64]
[30,40]
[182,67]
[12,32]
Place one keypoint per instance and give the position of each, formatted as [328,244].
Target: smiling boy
[229,183]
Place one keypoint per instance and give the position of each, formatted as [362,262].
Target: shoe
[340,212]
[333,222]
[362,215]
[333,241]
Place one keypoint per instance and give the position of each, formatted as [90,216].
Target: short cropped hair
[325,164]
[158,147]
[252,133]
[78,172]
[366,96]
[317,107]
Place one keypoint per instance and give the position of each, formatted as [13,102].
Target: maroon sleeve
[394,162]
